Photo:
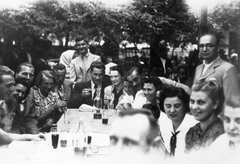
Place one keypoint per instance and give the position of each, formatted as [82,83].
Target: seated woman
[175,121]
[47,103]
[206,102]
[114,92]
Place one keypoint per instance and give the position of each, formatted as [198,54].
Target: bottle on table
[97,104]
[79,141]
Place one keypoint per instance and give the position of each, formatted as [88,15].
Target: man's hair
[212,90]
[154,128]
[21,81]
[44,73]
[80,38]
[4,70]
[170,91]
[26,64]
[98,65]
[120,70]
[215,34]
[59,66]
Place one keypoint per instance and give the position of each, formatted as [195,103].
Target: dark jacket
[76,99]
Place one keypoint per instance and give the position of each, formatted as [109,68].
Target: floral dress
[196,138]
[43,104]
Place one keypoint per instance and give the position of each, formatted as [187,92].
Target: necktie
[95,92]
[173,143]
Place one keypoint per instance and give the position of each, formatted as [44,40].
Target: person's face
[59,76]
[129,133]
[97,75]
[182,75]
[136,79]
[46,86]
[150,92]
[115,77]
[19,93]
[82,47]
[6,87]
[128,88]
[208,48]
[174,108]
[26,73]
[231,122]
[201,106]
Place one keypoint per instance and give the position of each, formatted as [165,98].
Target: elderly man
[136,131]
[84,92]
[214,68]
[80,66]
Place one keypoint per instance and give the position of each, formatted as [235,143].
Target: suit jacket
[224,74]
[157,62]
[76,99]
[76,69]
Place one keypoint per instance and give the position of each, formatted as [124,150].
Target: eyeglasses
[208,46]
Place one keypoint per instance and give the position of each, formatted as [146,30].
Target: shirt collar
[205,64]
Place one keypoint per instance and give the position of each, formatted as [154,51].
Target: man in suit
[161,61]
[214,68]
[80,66]
[84,92]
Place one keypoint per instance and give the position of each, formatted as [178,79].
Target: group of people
[155,111]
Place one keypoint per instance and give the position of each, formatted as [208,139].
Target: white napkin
[86,108]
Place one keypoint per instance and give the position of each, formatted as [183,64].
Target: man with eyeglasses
[214,68]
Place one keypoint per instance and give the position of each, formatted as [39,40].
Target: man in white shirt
[80,66]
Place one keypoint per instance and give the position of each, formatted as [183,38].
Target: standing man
[84,92]
[162,61]
[214,68]
[80,66]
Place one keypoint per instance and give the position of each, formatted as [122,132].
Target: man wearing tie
[85,92]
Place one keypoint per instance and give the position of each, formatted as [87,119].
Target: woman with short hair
[175,120]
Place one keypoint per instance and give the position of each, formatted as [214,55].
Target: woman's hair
[44,73]
[170,91]
[213,91]
[153,80]
[120,70]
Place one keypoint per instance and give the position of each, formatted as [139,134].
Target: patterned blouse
[43,104]
[6,117]
[196,138]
